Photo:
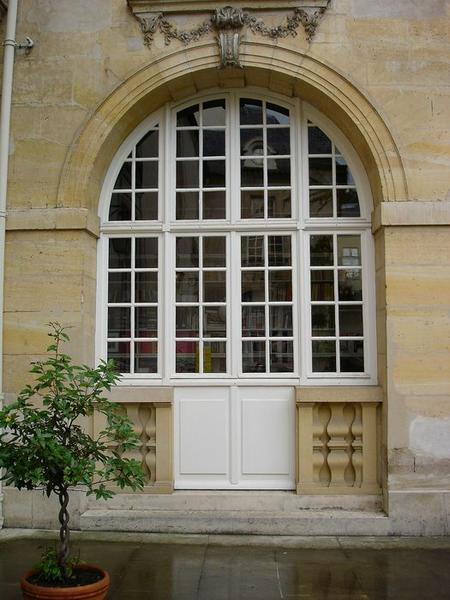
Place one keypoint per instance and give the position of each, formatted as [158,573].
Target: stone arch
[187,71]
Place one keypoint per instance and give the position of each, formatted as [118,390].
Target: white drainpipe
[5,120]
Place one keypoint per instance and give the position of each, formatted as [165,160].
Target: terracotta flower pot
[92,591]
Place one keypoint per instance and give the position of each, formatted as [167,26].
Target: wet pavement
[337,569]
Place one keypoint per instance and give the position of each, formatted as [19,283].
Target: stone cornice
[228,23]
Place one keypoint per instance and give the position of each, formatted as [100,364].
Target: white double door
[234,437]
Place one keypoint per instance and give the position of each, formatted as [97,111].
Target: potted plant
[44,446]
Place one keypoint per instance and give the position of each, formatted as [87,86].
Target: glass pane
[251,111]
[146,253]
[146,321]
[187,174]
[214,205]
[214,357]
[215,321]
[320,171]
[187,321]
[147,287]
[350,285]
[213,173]
[252,174]
[146,206]
[119,253]
[123,181]
[119,322]
[279,141]
[279,204]
[119,287]
[214,251]
[280,286]
[146,357]
[252,251]
[148,146]
[321,203]
[252,204]
[281,357]
[253,357]
[146,175]
[321,250]
[319,143]
[350,320]
[324,356]
[281,321]
[349,250]
[252,142]
[213,142]
[187,143]
[214,113]
[187,205]
[119,352]
[187,357]
[343,173]
[189,117]
[187,252]
[322,286]
[214,286]
[277,115]
[253,286]
[348,203]
[253,321]
[279,251]
[352,356]
[120,207]
[187,287]
[323,321]
[279,171]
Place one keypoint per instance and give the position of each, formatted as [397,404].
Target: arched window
[236,244]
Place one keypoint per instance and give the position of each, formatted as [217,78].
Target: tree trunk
[64,533]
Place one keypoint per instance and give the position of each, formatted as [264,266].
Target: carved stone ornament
[228,22]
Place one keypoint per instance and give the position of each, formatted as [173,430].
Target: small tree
[46,447]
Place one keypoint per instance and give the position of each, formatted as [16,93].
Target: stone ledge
[138,394]
[190,6]
[409,213]
[368,393]
[52,218]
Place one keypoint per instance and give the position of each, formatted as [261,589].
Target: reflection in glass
[350,285]
[187,252]
[281,356]
[119,352]
[279,251]
[253,286]
[214,173]
[120,207]
[187,143]
[321,248]
[119,322]
[187,287]
[214,357]
[251,112]
[352,356]
[252,251]
[187,321]
[214,251]
[320,171]
[348,203]
[318,142]
[119,287]
[187,174]
[321,203]
[123,181]
[322,286]
[279,171]
[214,142]
[146,321]
[189,117]
[323,356]
[253,357]
[146,206]
[214,205]
[253,321]
[281,321]
[343,173]
[279,204]
[323,321]
[146,357]
[119,253]
[214,286]
[279,141]
[146,287]
[214,321]
[147,253]
[277,115]
[280,286]
[350,320]
[187,357]
[148,146]
[252,204]
[252,174]
[214,113]
[187,205]
[252,142]
[146,175]
[349,250]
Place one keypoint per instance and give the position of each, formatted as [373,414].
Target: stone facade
[379,70]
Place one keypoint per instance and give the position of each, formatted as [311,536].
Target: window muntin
[230,116]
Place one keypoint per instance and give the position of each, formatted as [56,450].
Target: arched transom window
[236,244]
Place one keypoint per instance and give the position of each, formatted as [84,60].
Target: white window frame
[300,225]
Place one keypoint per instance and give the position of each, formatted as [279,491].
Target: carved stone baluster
[320,448]
[337,458]
[357,445]
[150,444]
[132,411]
[349,415]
